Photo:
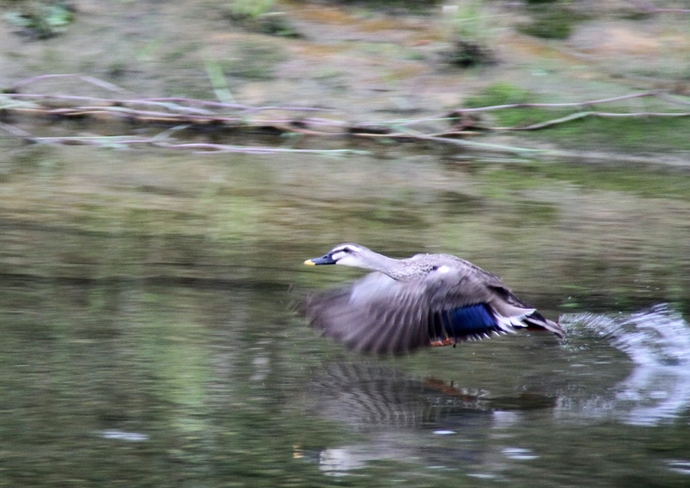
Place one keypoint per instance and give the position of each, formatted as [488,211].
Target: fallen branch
[181,113]
[558,105]
[582,115]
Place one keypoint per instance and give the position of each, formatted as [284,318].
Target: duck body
[424,300]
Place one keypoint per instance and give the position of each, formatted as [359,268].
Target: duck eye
[345,249]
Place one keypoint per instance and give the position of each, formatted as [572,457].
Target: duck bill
[327,259]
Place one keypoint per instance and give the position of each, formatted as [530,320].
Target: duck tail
[537,321]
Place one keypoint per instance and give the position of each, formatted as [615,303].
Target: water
[149,337]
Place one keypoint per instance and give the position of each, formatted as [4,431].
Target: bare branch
[89,79]
[557,105]
[581,115]
[179,113]
[16,131]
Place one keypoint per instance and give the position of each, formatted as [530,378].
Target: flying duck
[424,300]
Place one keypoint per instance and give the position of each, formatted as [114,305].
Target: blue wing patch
[463,323]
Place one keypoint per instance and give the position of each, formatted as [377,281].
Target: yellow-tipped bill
[327,259]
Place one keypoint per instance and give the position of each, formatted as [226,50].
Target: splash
[658,343]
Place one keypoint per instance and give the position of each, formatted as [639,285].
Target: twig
[162,140]
[246,108]
[16,131]
[205,148]
[169,103]
[461,111]
[482,146]
[556,105]
[89,79]
[183,113]
[582,115]
[668,98]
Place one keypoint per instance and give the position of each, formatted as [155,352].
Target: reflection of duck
[425,300]
[366,395]
[405,418]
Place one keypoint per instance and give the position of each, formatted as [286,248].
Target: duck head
[344,254]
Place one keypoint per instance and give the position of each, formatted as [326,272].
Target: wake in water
[658,343]
[399,416]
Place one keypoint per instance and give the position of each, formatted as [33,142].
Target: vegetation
[260,16]
[503,93]
[471,34]
[394,5]
[550,19]
[249,9]
[255,59]
[41,20]
[611,129]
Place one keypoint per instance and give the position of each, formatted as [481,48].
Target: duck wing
[375,314]
[450,305]
[466,302]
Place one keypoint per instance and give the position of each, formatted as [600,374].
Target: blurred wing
[375,314]
[450,305]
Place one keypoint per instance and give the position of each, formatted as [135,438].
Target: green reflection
[148,337]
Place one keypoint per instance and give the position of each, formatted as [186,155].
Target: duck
[421,301]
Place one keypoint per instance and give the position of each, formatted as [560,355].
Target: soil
[356,62]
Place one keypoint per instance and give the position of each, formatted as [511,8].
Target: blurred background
[158,199]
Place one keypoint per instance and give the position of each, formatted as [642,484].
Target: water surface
[149,336]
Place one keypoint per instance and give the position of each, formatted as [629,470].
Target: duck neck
[391,267]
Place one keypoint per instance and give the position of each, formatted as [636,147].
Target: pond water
[149,336]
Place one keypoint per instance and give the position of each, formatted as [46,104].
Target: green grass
[636,134]
[507,94]
[621,134]
[260,16]
[550,19]
[557,24]
[394,5]
[254,60]
[249,9]
[499,94]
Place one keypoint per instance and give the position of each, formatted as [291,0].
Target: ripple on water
[519,453]
[679,466]
[657,341]
[121,435]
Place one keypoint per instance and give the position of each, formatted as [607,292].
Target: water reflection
[122,435]
[210,377]
[394,409]
[146,334]
[404,417]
